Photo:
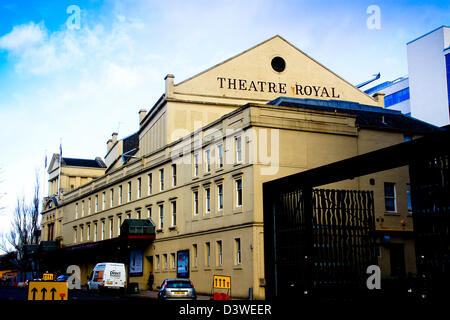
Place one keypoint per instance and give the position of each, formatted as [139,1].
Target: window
[196,165]
[220,156]
[82,208]
[149,212]
[88,235]
[174,214]
[129,191]
[165,261]
[208,200]
[158,265]
[239,193]
[219,253]
[89,206]
[396,97]
[208,161]
[195,202]
[237,248]
[96,203]
[149,177]
[219,197]
[138,214]
[172,256]
[81,233]
[408,197]
[50,231]
[103,230]
[161,216]
[208,254]
[75,235]
[103,201]
[119,224]
[76,210]
[120,194]
[389,197]
[195,255]
[238,146]
[161,179]
[139,188]
[111,198]
[111,228]
[174,175]
[95,231]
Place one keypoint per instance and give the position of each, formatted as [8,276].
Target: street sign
[47,290]
[47,277]
[222,282]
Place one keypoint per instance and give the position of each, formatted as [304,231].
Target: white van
[108,275]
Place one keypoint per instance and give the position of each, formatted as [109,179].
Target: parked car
[63,278]
[108,275]
[177,289]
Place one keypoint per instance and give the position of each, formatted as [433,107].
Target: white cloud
[80,84]
[23,37]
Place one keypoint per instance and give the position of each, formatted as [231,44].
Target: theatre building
[183,196]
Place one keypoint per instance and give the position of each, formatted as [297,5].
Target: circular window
[278,64]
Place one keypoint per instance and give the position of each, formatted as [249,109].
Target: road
[19,294]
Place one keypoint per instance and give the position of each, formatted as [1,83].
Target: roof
[426,34]
[366,116]
[383,85]
[74,162]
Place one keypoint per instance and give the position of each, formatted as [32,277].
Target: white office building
[425,93]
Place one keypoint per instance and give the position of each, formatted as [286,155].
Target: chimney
[379,97]
[169,85]
[109,144]
[142,114]
[114,137]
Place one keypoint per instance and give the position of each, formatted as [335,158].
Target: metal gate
[430,177]
[323,242]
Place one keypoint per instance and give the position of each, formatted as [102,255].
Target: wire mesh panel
[324,241]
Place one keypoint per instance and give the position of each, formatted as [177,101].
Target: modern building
[396,93]
[183,195]
[429,76]
[425,93]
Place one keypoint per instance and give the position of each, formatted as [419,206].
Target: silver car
[177,289]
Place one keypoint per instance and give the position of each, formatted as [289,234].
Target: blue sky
[114,64]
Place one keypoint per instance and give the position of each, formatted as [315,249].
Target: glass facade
[396,97]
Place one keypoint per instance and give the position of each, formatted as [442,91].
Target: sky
[73,72]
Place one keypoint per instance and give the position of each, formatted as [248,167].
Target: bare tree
[2,194]
[25,224]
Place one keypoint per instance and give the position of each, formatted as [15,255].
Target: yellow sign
[47,290]
[7,274]
[222,282]
[48,277]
